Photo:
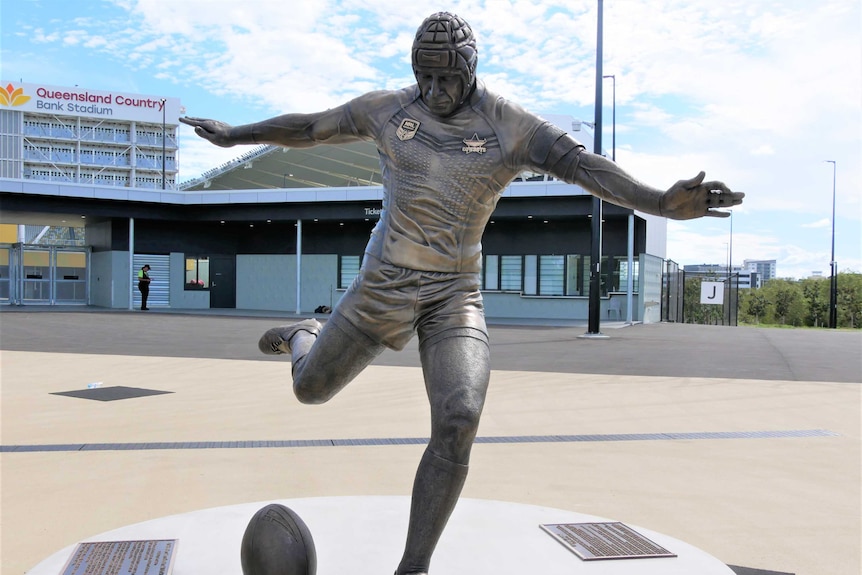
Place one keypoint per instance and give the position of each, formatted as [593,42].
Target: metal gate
[160,276]
[673,296]
[710,314]
[44,275]
[681,298]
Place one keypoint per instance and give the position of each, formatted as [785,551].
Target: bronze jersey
[442,177]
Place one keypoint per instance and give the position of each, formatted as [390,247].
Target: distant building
[764,268]
[742,277]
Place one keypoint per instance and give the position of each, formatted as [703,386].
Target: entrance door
[222,282]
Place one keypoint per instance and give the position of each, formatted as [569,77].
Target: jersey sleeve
[368,114]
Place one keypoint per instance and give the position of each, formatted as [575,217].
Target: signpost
[712,293]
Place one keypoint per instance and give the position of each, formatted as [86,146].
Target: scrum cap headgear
[446,41]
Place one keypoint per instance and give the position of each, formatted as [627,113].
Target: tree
[787,300]
[816,294]
[849,300]
[757,304]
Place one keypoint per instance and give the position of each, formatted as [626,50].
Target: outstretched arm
[553,151]
[685,200]
[289,130]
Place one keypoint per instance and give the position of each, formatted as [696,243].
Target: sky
[759,94]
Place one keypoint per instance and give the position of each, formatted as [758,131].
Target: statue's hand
[213,131]
[694,198]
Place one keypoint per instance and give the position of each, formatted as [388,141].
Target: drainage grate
[112,393]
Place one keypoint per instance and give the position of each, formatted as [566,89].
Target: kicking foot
[277,340]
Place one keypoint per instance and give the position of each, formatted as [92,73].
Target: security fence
[700,299]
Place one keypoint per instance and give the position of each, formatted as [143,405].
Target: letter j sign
[712,292]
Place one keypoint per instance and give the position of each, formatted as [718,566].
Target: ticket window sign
[712,293]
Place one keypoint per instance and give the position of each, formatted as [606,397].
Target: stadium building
[275,229]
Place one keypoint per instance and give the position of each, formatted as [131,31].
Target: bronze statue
[448,148]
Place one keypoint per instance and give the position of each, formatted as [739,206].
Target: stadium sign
[65,101]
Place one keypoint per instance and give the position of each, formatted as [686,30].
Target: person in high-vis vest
[144,286]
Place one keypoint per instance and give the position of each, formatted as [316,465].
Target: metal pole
[730,272]
[726,261]
[630,284]
[833,282]
[298,267]
[163,143]
[132,275]
[614,112]
[631,218]
[730,249]
[596,228]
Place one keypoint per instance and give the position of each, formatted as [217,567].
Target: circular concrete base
[365,536]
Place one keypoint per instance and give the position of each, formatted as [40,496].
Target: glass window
[551,275]
[197,272]
[574,279]
[622,276]
[510,273]
[531,275]
[492,273]
[348,269]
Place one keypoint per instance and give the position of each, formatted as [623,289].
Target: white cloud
[823,223]
[764,150]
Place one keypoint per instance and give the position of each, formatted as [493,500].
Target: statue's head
[444,60]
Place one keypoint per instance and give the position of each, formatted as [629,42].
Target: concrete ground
[743,442]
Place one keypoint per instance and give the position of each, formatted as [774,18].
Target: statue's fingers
[716,187]
[717,213]
[693,182]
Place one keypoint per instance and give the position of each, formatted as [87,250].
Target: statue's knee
[308,391]
[456,434]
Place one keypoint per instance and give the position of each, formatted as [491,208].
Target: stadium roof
[332,166]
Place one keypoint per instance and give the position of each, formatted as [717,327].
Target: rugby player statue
[448,148]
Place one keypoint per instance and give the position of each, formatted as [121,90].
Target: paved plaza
[744,442]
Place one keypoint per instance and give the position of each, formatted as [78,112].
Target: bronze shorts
[390,303]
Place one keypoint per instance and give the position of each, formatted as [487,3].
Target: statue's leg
[324,358]
[457,370]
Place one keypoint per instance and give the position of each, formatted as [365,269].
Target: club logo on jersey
[474,144]
[407,129]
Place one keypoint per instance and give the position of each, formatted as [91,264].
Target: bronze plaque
[612,540]
[153,557]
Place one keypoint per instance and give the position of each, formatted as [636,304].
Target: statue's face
[441,91]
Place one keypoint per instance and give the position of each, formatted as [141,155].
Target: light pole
[730,250]
[614,118]
[727,260]
[833,282]
[594,304]
[163,142]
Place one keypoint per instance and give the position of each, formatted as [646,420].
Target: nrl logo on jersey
[474,144]
[407,129]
